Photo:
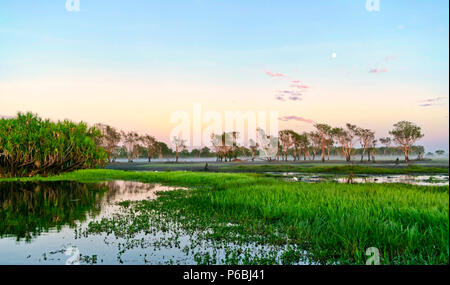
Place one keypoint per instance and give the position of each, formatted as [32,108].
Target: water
[424,180]
[45,223]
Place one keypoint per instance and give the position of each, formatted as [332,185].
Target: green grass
[337,169]
[333,222]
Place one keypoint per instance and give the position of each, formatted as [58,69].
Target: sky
[132,64]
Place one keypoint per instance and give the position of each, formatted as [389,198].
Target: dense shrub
[30,145]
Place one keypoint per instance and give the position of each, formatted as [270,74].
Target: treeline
[32,146]
[345,141]
[325,141]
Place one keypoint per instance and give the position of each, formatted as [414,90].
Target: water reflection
[28,209]
[134,191]
[40,221]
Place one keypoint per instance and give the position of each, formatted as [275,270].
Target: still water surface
[40,223]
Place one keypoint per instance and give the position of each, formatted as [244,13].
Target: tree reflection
[28,209]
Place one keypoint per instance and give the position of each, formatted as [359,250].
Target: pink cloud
[300,86]
[377,70]
[271,74]
[295,118]
[296,81]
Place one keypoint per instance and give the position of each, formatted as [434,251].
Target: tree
[267,143]
[386,141]
[324,134]
[303,143]
[296,140]
[151,146]
[405,134]
[179,144]
[346,137]
[253,148]
[285,142]
[205,151]
[130,142]
[222,144]
[366,138]
[372,150]
[315,142]
[109,140]
[196,152]
[440,152]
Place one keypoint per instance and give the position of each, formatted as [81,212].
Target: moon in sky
[333,55]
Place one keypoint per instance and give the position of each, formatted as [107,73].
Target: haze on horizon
[131,65]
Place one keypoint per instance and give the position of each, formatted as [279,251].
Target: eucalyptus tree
[315,143]
[366,138]
[304,144]
[386,141]
[285,137]
[180,145]
[324,134]
[405,134]
[253,147]
[130,142]
[151,145]
[222,144]
[296,140]
[109,140]
[267,143]
[346,137]
[372,150]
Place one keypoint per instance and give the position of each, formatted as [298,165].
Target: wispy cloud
[295,118]
[431,102]
[273,74]
[299,86]
[435,99]
[378,70]
[295,91]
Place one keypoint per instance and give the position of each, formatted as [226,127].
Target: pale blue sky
[232,43]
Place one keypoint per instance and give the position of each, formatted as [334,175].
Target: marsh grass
[335,223]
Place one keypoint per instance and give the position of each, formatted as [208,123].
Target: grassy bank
[337,169]
[333,222]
